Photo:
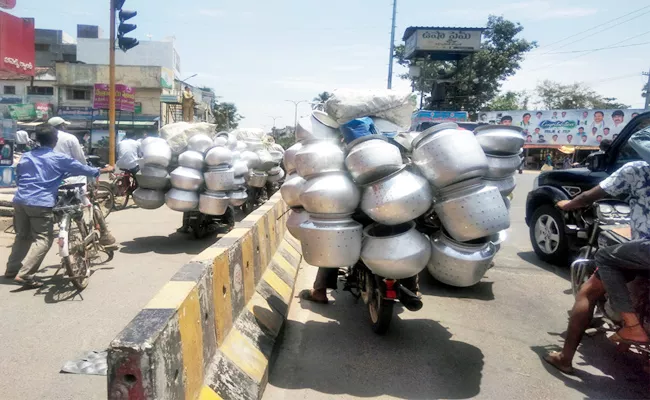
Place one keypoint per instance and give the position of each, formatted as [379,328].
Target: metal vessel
[191,159]
[319,156]
[148,199]
[500,139]
[219,179]
[213,203]
[331,241]
[331,193]
[372,157]
[184,178]
[182,200]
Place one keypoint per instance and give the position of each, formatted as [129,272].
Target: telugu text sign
[564,127]
[124,97]
[17,51]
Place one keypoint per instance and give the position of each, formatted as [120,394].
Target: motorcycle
[606,223]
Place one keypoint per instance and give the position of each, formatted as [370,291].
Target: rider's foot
[556,359]
[630,334]
[315,295]
[106,239]
[183,229]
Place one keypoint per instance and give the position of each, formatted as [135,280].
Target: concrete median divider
[210,331]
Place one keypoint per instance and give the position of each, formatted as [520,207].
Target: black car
[554,237]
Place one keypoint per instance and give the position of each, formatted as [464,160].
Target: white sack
[178,133]
[392,105]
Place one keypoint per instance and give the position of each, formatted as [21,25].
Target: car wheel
[547,235]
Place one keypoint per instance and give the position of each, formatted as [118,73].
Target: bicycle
[122,185]
[78,238]
[100,192]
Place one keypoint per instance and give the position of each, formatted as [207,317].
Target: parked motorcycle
[606,223]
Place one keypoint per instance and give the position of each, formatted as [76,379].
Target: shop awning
[127,123]
[30,124]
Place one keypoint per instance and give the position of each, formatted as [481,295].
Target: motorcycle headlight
[622,208]
[605,209]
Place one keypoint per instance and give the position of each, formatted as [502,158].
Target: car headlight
[536,183]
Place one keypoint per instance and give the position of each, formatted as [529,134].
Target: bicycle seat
[71,186]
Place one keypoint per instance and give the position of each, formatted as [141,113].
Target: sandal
[552,360]
[306,295]
[28,283]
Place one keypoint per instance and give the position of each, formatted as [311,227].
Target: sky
[260,53]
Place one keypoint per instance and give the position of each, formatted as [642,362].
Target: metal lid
[364,139]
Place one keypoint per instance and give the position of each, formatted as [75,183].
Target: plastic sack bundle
[357,128]
[249,134]
[392,105]
[178,133]
[640,142]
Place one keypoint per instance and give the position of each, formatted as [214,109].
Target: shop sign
[124,97]
[6,152]
[7,4]
[75,113]
[22,112]
[138,108]
[457,40]
[17,53]
[42,110]
[553,128]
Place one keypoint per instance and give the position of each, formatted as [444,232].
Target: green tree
[226,116]
[508,101]
[475,80]
[558,96]
[321,98]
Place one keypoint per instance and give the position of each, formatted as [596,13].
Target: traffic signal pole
[111,89]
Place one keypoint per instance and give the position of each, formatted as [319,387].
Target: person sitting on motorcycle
[38,175]
[614,263]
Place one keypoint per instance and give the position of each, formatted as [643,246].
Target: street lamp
[296,103]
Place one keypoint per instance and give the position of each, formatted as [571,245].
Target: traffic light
[123,42]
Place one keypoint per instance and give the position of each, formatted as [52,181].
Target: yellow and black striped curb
[210,331]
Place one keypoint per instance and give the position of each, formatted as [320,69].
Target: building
[26,100]
[52,46]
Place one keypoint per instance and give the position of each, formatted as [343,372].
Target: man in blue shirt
[38,175]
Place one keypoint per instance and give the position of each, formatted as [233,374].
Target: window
[77,94]
[41,47]
[40,90]
[9,90]
[69,57]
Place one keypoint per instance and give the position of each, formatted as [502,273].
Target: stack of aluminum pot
[237,194]
[187,178]
[153,179]
[448,188]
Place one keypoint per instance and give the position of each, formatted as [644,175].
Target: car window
[627,154]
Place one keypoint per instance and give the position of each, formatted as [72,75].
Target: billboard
[427,40]
[124,97]
[437,116]
[16,44]
[75,112]
[554,128]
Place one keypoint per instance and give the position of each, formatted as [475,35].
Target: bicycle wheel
[121,193]
[104,198]
[77,264]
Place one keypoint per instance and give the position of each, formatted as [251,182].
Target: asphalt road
[478,342]
[43,329]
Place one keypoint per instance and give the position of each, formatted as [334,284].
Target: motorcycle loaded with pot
[384,207]
[206,176]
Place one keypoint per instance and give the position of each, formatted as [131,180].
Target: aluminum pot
[459,264]
[395,252]
[219,141]
[238,197]
[251,159]
[446,155]
[331,240]
[296,217]
[276,155]
[213,203]
[152,177]
[218,156]
[502,166]
[469,211]
[256,179]
[184,178]
[500,139]
[507,202]
[182,200]
[504,185]
[310,128]
[397,198]
[240,167]
[231,140]
[238,181]
[276,177]
[241,146]
[266,160]
[319,156]
[150,139]
[331,193]
[157,152]
[200,143]
[372,157]
[148,199]
[291,190]
[290,157]
[191,159]
[219,179]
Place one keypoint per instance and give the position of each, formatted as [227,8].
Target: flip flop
[305,294]
[562,368]
[28,283]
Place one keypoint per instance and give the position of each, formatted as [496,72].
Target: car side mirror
[596,162]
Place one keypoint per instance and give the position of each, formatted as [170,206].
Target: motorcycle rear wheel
[380,310]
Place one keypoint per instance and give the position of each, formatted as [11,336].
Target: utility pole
[111,88]
[392,46]
[647,91]
[295,118]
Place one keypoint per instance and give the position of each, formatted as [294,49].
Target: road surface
[479,342]
[43,329]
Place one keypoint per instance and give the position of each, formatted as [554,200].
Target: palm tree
[320,100]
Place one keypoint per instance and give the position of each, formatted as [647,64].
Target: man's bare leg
[581,315]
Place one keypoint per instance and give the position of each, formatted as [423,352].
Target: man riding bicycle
[128,152]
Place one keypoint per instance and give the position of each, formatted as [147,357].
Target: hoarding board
[124,97]
[437,116]
[75,112]
[22,112]
[425,40]
[564,127]
[17,52]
